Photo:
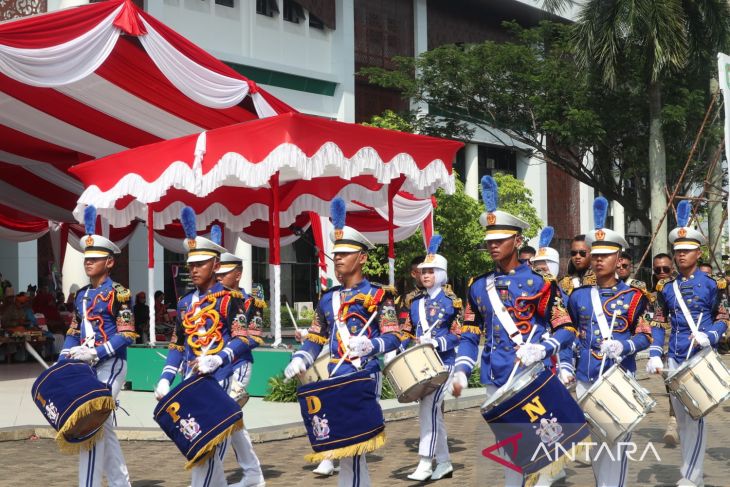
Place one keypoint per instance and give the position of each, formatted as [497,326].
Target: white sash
[89,335]
[341,325]
[501,312]
[683,307]
[606,331]
[423,320]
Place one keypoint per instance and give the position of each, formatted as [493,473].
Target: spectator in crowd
[527,253]
[60,301]
[624,266]
[706,268]
[141,317]
[163,322]
[7,289]
[44,303]
[17,312]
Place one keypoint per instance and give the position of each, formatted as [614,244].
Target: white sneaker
[325,467]
[423,471]
[442,470]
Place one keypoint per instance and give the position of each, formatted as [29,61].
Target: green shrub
[281,390]
[388,392]
[474,378]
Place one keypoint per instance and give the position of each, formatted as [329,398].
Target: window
[267,7]
[293,12]
[225,3]
[315,22]
[496,159]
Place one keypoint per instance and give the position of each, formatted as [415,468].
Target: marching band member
[229,274]
[340,316]
[101,329]
[218,316]
[579,268]
[504,306]
[437,314]
[691,307]
[593,309]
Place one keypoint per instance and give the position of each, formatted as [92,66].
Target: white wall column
[73,273]
[343,59]
[533,171]
[471,170]
[619,220]
[243,250]
[586,195]
[19,263]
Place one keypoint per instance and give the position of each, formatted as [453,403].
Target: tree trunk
[715,210]
[657,168]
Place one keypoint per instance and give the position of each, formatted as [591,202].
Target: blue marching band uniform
[692,309]
[523,314]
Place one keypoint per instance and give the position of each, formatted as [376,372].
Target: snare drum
[342,416]
[540,409]
[197,416]
[74,402]
[317,372]
[700,383]
[416,373]
[615,404]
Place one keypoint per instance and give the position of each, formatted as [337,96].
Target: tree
[660,38]
[531,92]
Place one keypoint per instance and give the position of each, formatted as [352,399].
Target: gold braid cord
[194,325]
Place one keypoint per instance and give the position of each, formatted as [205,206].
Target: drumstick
[347,353]
[35,355]
[517,362]
[603,361]
[291,315]
[691,343]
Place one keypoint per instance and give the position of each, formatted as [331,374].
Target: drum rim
[489,404]
[424,381]
[409,350]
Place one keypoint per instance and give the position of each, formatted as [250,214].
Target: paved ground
[37,463]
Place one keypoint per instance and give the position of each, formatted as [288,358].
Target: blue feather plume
[684,208]
[187,218]
[546,236]
[433,245]
[90,219]
[489,193]
[600,207]
[215,234]
[338,210]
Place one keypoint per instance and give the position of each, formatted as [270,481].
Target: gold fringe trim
[314,338]
[471,329]
[552,470]
[90,406]
[367,446]
[179,348]
[209,448]
[258,340]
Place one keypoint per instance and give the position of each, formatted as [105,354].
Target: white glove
[612,348]
[84,354]
[566,377]
[458,383]
[208,364]
[301,335]
[360,346]
[702,339]
[162,388]
[426,340]
[531,353]
[295,367]
[654,365]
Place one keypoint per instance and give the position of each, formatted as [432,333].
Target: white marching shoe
[684,482]
[325,467]
[423,471]
[442,470]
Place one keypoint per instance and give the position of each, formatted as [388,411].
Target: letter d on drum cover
[313,404]
[172,410]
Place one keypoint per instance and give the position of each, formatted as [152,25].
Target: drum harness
[606,330]
[345,333]
[687,315]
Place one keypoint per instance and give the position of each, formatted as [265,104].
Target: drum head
[87,426]
[423,388]
[520,381]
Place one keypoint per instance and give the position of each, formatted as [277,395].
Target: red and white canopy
[91,81]
[347,160]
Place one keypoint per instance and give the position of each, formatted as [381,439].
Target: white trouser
[210,472]
[433,443]
[354,470]
[511,477]
[692,438]
[240,440]
[611,465]
[105,457]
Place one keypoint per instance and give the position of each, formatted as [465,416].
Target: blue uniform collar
[104,284]
[522,267]
[357,286]
[214,289]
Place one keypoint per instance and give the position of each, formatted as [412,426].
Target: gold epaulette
[566,283]
[236,294]
[455,300]
[123,294]
[721,281]
[471,329]
[658,324]
[589,279]
[547,277]
[641,286]
[318,339]
[259,303]
[179,348]
[471,280]
[660,285]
